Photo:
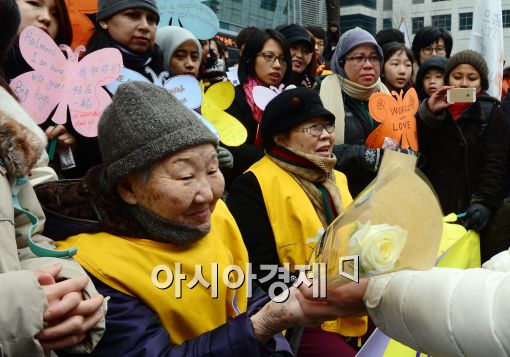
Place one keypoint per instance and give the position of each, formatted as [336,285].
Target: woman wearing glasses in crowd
[357,64]
[431,41]
[283,203]
[265,62]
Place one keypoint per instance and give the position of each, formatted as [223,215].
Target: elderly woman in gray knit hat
[357,63]
[465,145]
[155,236]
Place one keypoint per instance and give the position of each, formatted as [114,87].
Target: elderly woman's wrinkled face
[315,136]
[362,65]
[182,188]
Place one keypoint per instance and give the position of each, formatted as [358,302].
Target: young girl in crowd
[302,52]
[182,52]
[398,67]
[265,62]
[429,78]
[52,17]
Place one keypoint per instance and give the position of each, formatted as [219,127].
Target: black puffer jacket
[465,159]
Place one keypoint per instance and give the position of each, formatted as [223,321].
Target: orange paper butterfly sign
[396,115]
[82,25]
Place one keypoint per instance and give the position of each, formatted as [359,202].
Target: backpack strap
[34,247]
[487,105]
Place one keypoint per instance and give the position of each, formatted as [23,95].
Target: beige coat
[23,299]
[446,312]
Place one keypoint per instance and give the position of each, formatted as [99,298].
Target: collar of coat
[83,202]
[22,142]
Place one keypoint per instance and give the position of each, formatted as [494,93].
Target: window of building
[506,18]
[438,0]
[367,23]
[368,3]
[418,1]
[386,23]
[268,5]
[444,21]
[466,21]
[418,23]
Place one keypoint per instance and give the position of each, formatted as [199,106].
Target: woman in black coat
[465,145]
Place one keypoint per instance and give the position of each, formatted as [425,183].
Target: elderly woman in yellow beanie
[284,202]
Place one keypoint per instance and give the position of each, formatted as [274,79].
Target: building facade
[454,15]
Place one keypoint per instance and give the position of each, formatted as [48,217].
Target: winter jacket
[465,160]
[468,316]
[21,314]
[357,128]
[246,154]
[79,206]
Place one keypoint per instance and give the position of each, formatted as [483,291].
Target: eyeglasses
[269,57]
[439,50]
[317,129]
[360,60]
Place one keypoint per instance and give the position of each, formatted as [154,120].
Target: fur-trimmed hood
[22,142]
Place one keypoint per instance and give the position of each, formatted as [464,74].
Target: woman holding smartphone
[465,145]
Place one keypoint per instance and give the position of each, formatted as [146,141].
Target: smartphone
[461,95]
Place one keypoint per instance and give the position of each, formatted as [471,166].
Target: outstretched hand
[437,100]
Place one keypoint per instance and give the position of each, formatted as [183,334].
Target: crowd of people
[156,241]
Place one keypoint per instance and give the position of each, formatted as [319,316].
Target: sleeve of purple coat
[132,329]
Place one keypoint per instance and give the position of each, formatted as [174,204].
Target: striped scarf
[315,176]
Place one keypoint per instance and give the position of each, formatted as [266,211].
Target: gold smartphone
[461,95]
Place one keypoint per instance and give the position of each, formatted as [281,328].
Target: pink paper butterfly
[63,82]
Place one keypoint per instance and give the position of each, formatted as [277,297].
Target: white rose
[378,246]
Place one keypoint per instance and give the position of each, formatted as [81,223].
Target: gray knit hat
[108,8]
[473,58]
[144,124]
[350,39]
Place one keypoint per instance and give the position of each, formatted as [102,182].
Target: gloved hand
[477,217]
[371,158]
[225,158]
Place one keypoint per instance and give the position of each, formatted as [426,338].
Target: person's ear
[126,190]
[103,24]
[279,139]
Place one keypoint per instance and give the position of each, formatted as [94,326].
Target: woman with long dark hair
[265,62]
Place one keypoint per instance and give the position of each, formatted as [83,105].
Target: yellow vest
[127,264]
[296,225]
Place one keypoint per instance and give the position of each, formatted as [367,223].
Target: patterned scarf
[256,112]
[315,176]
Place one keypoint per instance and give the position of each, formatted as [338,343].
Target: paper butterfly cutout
[263,95]
[60,82]
[193,15]
[82,25]
[396,115]
[216,100]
